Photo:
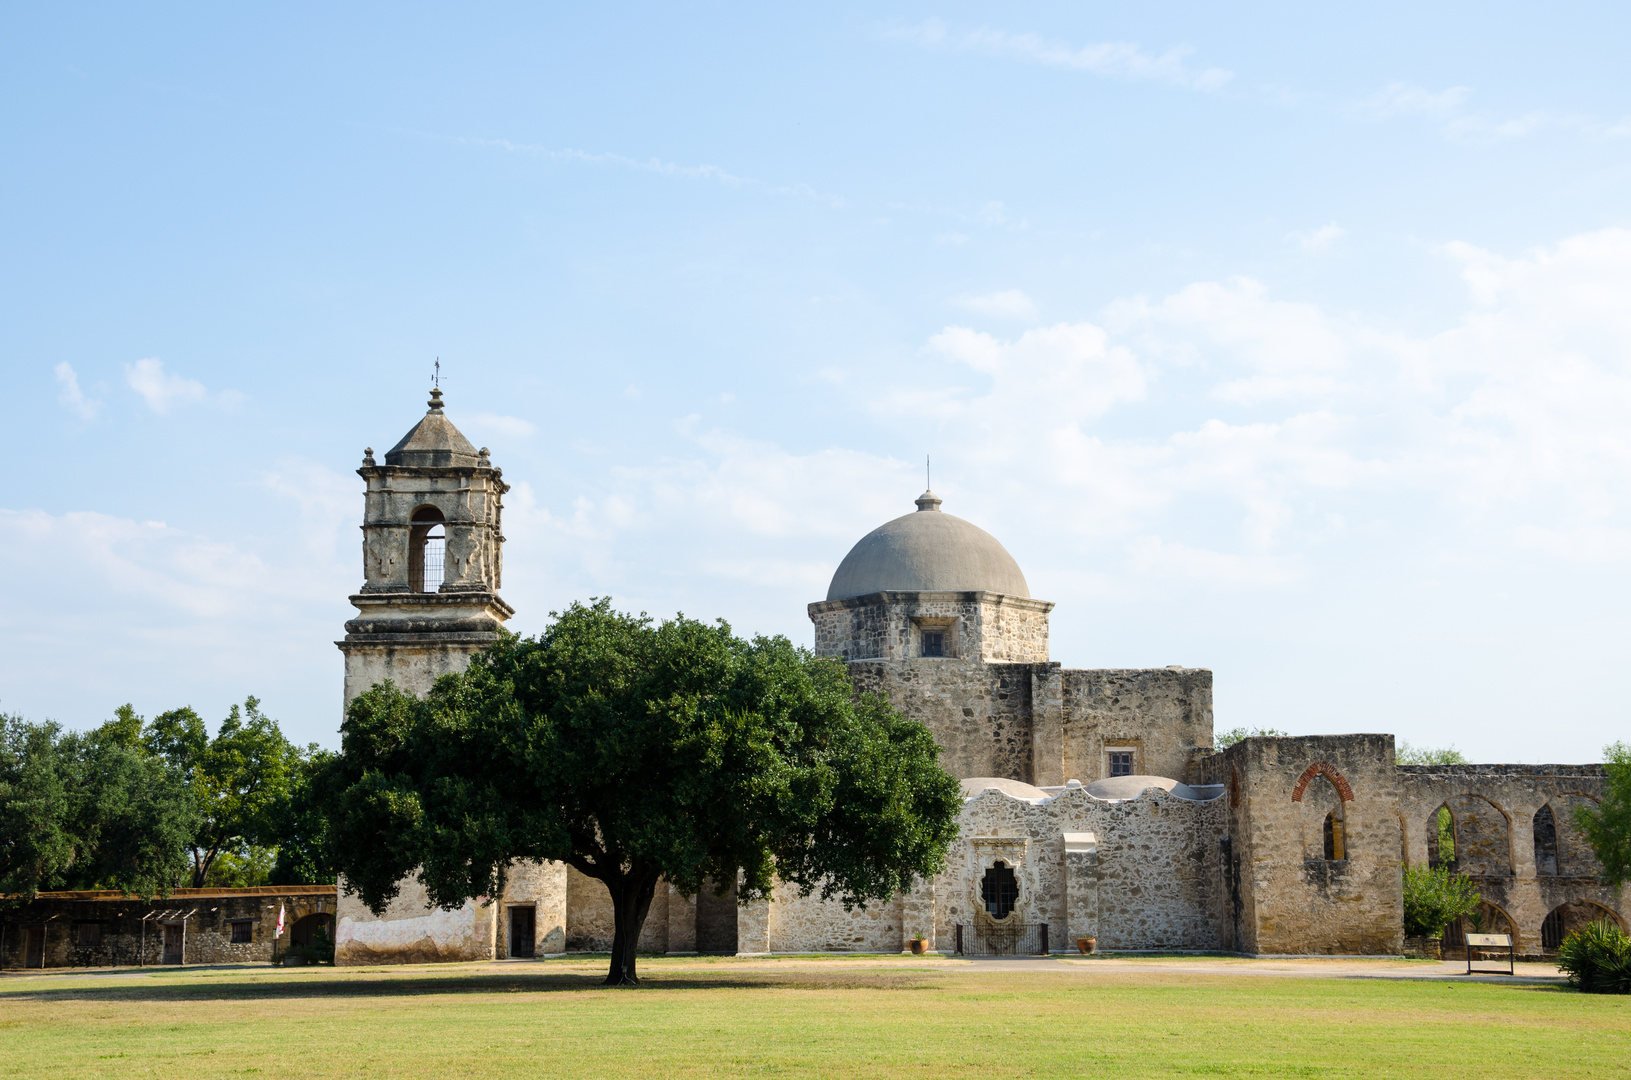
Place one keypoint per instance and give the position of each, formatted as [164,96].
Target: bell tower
[432,559]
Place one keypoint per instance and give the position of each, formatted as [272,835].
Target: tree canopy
[1225,739]
[88,810]
[1405,754]
[1608,826]
[241,780]
[146,807]
[636,753]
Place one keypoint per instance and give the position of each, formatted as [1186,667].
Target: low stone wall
[130,931]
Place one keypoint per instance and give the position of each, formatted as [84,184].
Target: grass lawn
[832,1019]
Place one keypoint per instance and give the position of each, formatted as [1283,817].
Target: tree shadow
[387,985]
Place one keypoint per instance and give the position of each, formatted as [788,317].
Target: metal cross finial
[927,476]
[436,379]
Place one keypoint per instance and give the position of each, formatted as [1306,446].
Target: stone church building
[1095,803]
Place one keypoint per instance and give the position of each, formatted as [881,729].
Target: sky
[1283,340]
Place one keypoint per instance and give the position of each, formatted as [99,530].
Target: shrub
[1597,959]
[1434,898]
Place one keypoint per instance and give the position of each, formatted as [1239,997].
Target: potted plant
[919,945]
[1087,944]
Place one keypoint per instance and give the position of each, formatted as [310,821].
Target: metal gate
[172,943]
[1020,939]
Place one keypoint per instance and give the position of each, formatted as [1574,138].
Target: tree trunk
[631,902]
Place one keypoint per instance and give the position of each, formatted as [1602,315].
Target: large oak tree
[636,753]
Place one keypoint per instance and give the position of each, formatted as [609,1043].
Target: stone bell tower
[432,559]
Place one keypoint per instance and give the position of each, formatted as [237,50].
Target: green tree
[88,811]
[637,753]
[301,829]
[1607,827]
[240,780]
[1434,898]
[1225,739]
[1406,754]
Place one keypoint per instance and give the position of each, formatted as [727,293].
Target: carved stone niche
[992,855]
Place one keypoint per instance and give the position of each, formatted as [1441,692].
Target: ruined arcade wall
[1494,809]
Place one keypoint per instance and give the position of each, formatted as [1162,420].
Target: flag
[279,921]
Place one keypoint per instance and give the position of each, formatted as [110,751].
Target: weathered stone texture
[413,931]
[1164,713]
[206,915]
[1285,898]
[977,626]
[542,887]
[1494,809]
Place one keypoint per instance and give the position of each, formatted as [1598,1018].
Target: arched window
[1441,838]
[1545,842]
[999,890]
[1335,848]
[427,549]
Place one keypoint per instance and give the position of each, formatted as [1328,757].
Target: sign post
[1490,941]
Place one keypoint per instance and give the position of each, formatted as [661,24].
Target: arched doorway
[1565,919]
[307,926]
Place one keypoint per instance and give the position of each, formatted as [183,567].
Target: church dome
[927,551]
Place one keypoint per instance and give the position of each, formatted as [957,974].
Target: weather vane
[436,379]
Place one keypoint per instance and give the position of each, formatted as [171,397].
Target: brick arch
[1321,768]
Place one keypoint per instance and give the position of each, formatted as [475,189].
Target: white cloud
[1110,59]
[163,391]
[513,426]
[81,406]
[1006,304]
[1318,239]
[1448,108]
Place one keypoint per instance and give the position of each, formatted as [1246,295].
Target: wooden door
[34,952]
[522,933]
[172,943]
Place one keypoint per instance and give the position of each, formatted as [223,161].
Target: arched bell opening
[427,549]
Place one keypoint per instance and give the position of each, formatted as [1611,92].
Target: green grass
[833,1019]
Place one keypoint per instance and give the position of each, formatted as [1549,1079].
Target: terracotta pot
[919,946]
[1087,944]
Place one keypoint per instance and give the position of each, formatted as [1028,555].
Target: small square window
[1121,763]
[88,934]
[243,931]
[934,643]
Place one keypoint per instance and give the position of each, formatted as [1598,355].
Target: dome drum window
[934,636]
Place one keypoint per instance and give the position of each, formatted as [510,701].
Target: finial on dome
[435,401]
[928,501]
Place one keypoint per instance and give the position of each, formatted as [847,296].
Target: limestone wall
[1494,809]
[126,938]
[980,714]
[591,922]
[976,626]
[413,931]
[1284,896]
[542,887]
[1164,714]
[1156,880]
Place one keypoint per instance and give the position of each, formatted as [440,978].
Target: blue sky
[1285,342]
